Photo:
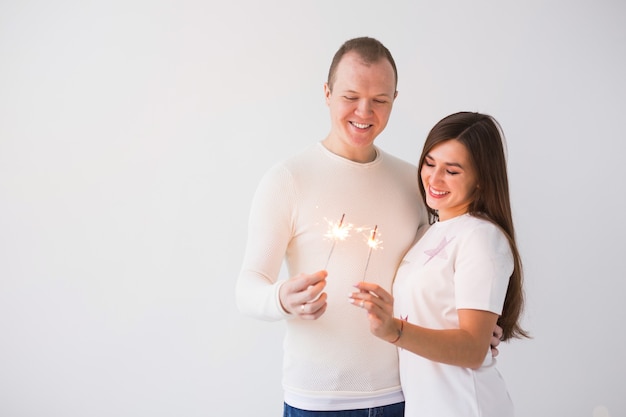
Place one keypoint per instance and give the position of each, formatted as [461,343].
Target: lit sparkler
[373,244]
[337,231]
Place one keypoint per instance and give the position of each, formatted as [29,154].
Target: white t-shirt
[334,362]
[461,263]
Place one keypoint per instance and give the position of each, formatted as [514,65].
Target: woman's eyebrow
[452,164]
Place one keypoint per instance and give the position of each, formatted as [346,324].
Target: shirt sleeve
[483,268]
[269,233]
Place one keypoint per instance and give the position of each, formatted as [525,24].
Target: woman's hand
[379,306]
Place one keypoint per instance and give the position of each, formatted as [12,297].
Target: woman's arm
[465,346]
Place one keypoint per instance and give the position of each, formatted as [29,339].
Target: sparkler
[337,231]
[373,244]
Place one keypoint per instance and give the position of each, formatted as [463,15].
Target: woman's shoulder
[471,228]
[483,234]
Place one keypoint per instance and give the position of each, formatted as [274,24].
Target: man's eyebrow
[377,95]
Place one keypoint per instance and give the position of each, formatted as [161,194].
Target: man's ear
[327,92]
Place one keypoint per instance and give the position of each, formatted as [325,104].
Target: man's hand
[302,295]
[495,340]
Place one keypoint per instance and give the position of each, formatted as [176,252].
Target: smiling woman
[449,178]
[461,277]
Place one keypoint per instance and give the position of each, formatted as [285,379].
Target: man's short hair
[369,50]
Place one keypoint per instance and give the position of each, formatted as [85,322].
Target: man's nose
[364,108]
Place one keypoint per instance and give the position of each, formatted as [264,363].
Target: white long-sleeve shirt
[333,363]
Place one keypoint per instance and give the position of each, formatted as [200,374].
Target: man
[331,362]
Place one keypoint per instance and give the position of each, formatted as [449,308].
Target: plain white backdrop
[133,134]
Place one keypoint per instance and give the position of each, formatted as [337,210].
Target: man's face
[360,104]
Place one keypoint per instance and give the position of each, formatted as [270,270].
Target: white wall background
[132,136]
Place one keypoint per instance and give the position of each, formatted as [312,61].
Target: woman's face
[449,179]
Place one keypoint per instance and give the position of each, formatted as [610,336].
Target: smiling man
[332,364]
[360,95]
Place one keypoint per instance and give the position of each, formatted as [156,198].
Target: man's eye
[349,98]
[380,101]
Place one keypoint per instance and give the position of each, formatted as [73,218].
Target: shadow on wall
[601,411]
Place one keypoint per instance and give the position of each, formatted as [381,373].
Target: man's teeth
[360,125]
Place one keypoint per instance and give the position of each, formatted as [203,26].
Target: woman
[461,277]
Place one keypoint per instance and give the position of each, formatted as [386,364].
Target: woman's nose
[436,175]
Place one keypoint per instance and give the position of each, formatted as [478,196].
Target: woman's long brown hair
[482,136]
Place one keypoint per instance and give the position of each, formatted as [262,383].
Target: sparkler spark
[337,231]
[373,244]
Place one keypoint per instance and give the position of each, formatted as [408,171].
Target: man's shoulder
[294,163]
[396,162]
[299,156]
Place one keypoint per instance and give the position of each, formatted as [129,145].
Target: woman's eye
[452,172]
[428,164]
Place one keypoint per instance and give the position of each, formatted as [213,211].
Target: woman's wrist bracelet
[393,342]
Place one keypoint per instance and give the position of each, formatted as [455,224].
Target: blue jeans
[393,410]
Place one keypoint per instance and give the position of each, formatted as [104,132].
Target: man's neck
[360,155]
